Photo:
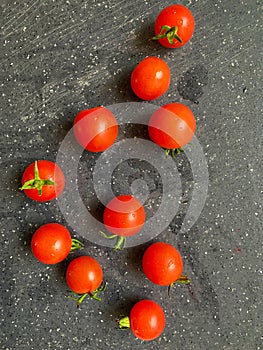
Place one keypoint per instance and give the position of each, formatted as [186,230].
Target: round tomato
[146,320]
[43,181]
[150,79]
[84,276]
[95,129]
[51,243]
[174,26]
[162,264]
[172,126]
[124,215]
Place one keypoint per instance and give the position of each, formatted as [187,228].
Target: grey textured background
[58,57]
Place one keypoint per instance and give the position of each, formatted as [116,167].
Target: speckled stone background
[58,57]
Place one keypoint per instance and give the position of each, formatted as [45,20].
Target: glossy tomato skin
[84,275]
[47,171]
[95,129]
[175,16]
[51,243]
[150,79]
[124,215]
[147,320]
[172,126]
[162,263]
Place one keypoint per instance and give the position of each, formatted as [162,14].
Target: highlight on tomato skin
[174,26]
[95,129]
[172,126]
[146,320]
[150,79]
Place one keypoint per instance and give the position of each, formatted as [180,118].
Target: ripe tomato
[84,277]
[95,129]
[174,26]
[43,181]
[146,320]
[162,264]
[150,79]
[51,243]
[172,126]
[123,216]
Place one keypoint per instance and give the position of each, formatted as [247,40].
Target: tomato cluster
[171,127]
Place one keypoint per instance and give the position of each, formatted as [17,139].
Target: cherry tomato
[84,276]
[174,26]
[146,320]
[123,216]
[51,243]
[172,126]
[150,79]
[162,264]
[43,181]
[95,129]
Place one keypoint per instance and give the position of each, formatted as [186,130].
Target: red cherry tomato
[84,276]
[146,320]
[150,79]
[95,129]
[162,264]
[43,181]
[172,126]
[51,243]
[123,216]
[174,26]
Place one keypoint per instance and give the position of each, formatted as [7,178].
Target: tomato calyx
[94,294]
[76,244]
[124,323]
[121,240]
[183,279]
[36,182]
[170,33]
[173,152]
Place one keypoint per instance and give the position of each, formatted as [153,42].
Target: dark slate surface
[58,57]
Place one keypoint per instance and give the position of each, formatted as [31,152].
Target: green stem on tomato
[94,294]
[183,279]
[81,298]
[78,297]
[37,182]
[121,240]
[124,323]
[76,244]
[173,151]
[170,33]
